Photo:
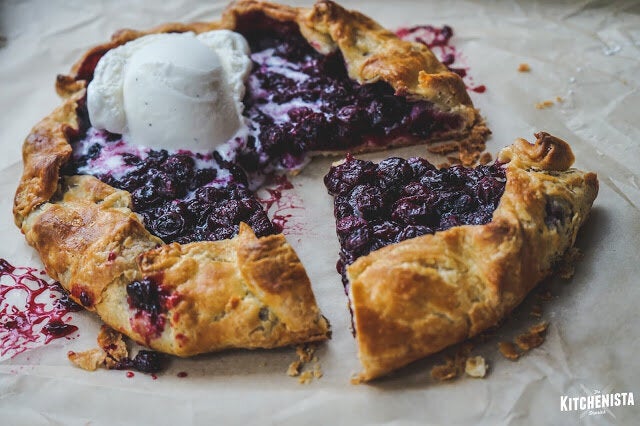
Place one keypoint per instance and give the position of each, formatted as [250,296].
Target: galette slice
[432,257]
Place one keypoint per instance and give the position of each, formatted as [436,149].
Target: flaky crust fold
[246,292]
[419,296]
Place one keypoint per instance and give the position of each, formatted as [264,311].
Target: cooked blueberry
[210,194]
[416,189]
[57,328]
[347,225]
[412,211]
[367,201]
[149,361]
[169,225]
[357,240]
[420,166]
[145,295]
[86,299]
[146,196]
[94,151]
[488,189]
[342,207]
[386,230]
[202,177]
[179,168]
[394,171]
[461,203]
[346,176]
[449,221]
[156,158]
[131,159]
[261,224]
[413,231]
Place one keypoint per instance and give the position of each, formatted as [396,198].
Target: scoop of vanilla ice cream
[172,91]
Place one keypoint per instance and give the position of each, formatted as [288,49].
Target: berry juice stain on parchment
[439,41]
[281,203]
[33,311]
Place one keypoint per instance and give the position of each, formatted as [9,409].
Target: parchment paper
[587,53]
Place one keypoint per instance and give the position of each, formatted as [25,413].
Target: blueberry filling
[297,100]
[181,197]
[380,204]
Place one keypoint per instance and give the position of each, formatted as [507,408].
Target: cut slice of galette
[431,257]
[137,192]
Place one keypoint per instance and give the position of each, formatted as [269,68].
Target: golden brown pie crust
[419,296]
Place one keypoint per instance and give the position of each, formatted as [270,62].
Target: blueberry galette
[431,257]
[138,192]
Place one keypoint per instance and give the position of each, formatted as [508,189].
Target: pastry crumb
[446,371]
[536,311]
[559,99]
[112,349]
[454,160]
[524,67]
[528,341]
[539,328]
[533,338]
[294,368]
[476,367]
[544,104]
[306,355]
[113,345]
[305,352]
[453,366]
[566,268]
[356,379]
[508,350]
[305,378]
[466,152]
[545,296]
[450,162]
[444,148]
[87,360]
[317,371]
[485,158]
